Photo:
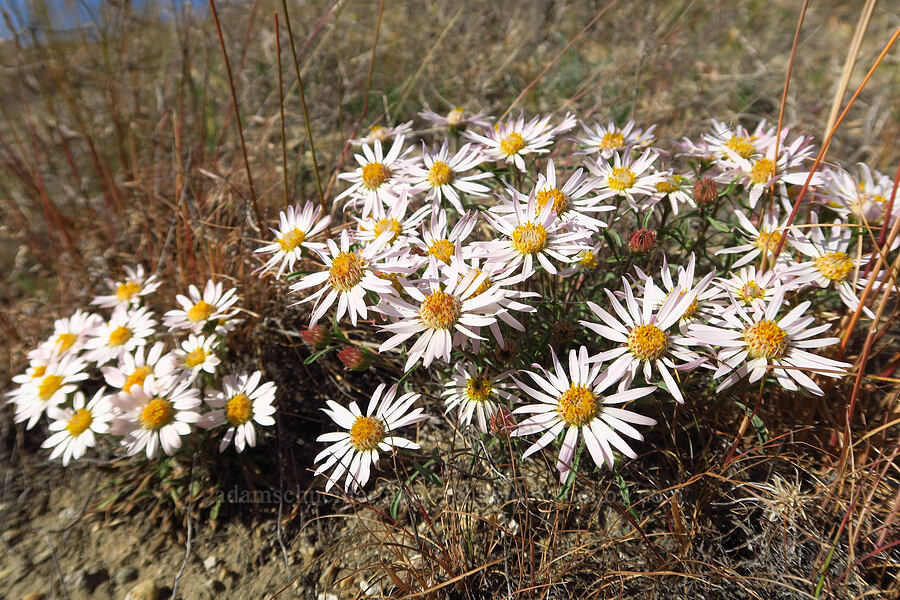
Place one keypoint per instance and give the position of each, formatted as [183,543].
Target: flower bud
[506,352]
[355,359]
[642,240]
[316,336]
[705,191]
[562,333]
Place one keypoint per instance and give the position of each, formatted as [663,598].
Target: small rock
[67,514]
[210,563]
[35,596]
[76,580]
[145,590]
[125,575]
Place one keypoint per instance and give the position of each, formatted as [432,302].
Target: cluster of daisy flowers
[463,256]
[116,374]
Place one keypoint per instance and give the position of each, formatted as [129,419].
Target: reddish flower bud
[316,336]
[503,422]
[642,240]
[705,191]
[355,359]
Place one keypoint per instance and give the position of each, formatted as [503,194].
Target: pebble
[145,590]
[210,563]
[35,596]
[76,580]
[125,575]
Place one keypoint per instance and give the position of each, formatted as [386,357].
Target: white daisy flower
[512,140]
[501,278]
[435,240]
[574,402]
[397,226]
[831,265]
[569,202]
[376,180]
[380,133]
[645,338]
[69,335]
[752,342]
[242,402]
[197,354]
[608,139]
[765,238]
[759,173]
[456,119]
[157,414]
[75,428]
[215,305]
[295,228]
[865,197]
[130,291]
[347,277]
[626,177]
[126,330]
[443,312]
[753,288]
[355,451]
[443,176]
[134,367]
[738,140]
[678,188]
[47,386]
[705,304]
[532,234]
[474,394]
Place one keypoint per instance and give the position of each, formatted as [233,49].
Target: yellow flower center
[741,145]
[454,117]
[750,291]
[648,342]
[374,174]
[38,371]
[48,386]
[485,285]
[64,341]
[238,409]
[200,311]
[388,224]
[137,377]
[119,336]
[612,140]
[80,422]
[835,266]
[195,358]
[587,259]
[292,239]
[156,414]
[441,250]
[559,199]
[440,174]
[478,389]
[366,433]
[529,238]
[766,340]
[666,187]
[346,271]
[440,310]
[512,143]
[762,171]
[127,290]
[620,179]
[577,406]
[767,241]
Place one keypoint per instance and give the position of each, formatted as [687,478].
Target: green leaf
[761,432]
[395,506]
